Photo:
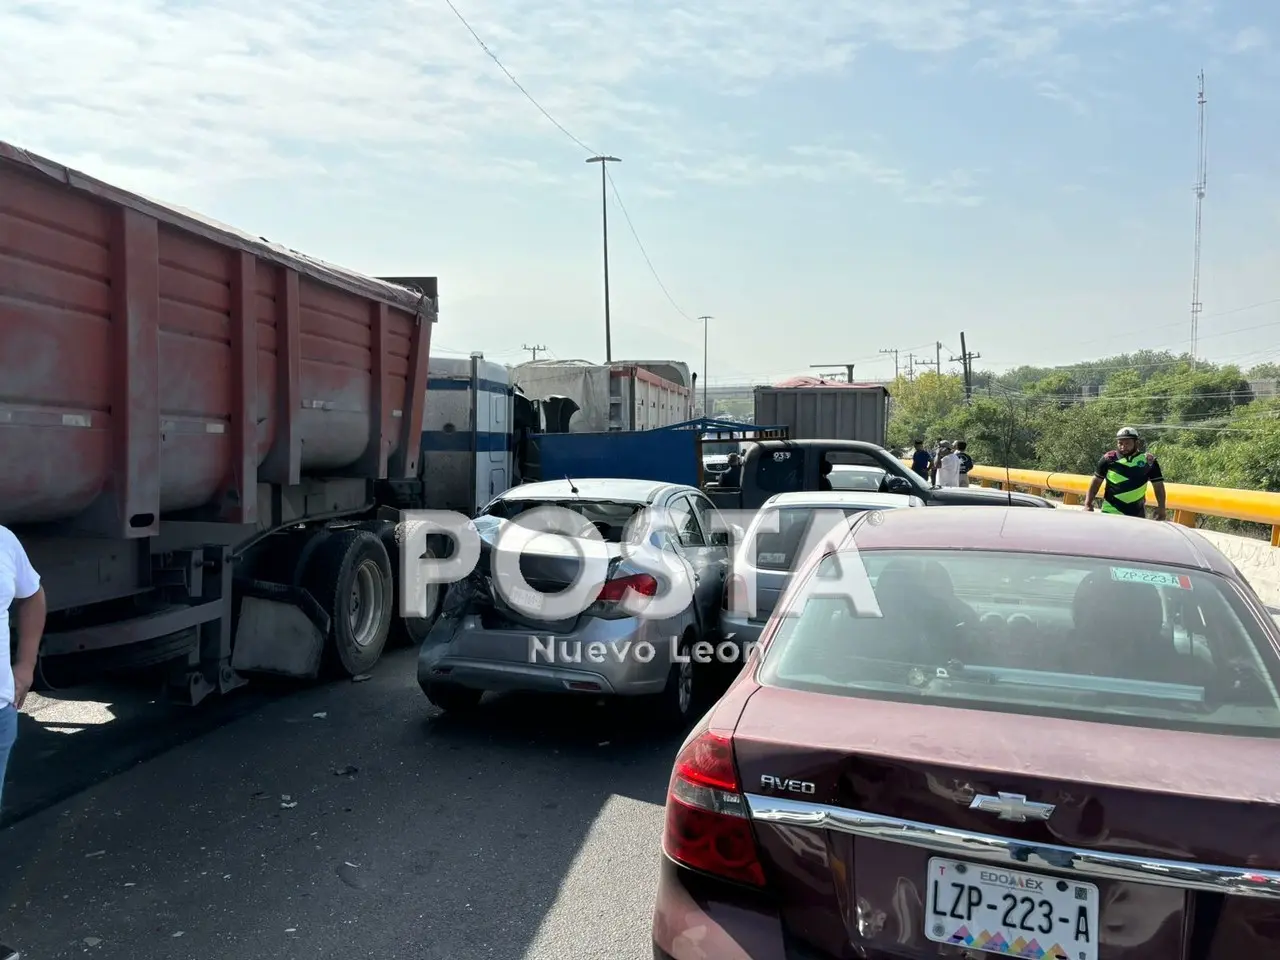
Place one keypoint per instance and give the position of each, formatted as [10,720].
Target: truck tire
[349,574]
[411,631]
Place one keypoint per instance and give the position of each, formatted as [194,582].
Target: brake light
[735,593]
[707,824]
[614,590]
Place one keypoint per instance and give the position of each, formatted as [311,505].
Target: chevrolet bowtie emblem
[1012,806]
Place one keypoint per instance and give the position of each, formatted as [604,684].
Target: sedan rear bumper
[696,918]
[540,678]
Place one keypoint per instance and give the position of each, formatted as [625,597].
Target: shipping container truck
[813,409]
[631,395]
[203,436]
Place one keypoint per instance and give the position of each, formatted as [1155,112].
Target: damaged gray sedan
[621,598]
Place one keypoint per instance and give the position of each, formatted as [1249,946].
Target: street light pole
[706,410]
[604,161]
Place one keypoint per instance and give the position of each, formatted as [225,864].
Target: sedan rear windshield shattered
[1048,635]
[615,521]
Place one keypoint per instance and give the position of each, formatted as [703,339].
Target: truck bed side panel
[151,362]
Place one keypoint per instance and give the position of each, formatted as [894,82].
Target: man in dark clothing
[966,462]
[732,476]
[920,459]
[1126,473]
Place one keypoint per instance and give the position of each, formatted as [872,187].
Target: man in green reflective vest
[1126,473]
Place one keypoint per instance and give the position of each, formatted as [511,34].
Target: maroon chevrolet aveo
[989,733]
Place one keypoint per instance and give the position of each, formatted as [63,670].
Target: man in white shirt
[20,584]
[948,467]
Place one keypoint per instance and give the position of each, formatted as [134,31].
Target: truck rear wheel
[406,631]
[349,575]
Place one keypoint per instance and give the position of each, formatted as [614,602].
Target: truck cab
[783,466]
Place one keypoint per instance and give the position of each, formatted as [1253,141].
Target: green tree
[920,406]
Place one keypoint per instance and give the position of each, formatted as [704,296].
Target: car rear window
[784,533]
[1121,643]
[611,518]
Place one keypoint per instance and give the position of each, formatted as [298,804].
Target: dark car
[983,733]
[786,466]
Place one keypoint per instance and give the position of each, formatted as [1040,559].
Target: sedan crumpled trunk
[549,565]
[855,889]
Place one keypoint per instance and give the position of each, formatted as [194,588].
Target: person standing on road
[948,469]
[1126,473]
[19,583]
[966,462]
[920,459]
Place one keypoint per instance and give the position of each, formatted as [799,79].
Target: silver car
[773,545]
[486,638]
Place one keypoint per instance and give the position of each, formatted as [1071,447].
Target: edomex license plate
[1011,913]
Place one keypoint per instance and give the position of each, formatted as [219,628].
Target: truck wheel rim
[367,600]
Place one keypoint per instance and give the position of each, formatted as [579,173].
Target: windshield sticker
[1157,578]
[773,558]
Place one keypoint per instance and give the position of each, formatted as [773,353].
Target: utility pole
[847,367]
[1202,181]
[911,366]
[966,360]
[706,325]
[937,363]
[540,348]
[893,351]
[604,162]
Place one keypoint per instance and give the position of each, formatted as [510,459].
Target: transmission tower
[535,350]
[1202,180]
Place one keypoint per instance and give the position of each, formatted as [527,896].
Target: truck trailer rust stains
[177,396]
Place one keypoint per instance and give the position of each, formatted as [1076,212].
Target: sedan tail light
[707,824]
[608,602]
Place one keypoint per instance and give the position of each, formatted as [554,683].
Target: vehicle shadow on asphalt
[72,738]
[353,820]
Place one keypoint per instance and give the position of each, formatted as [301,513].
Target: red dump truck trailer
[204,436]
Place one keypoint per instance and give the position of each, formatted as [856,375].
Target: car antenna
[1008,448]
[572,488]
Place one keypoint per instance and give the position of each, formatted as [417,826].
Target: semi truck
[206,439]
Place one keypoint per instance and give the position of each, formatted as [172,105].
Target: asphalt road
[529,831]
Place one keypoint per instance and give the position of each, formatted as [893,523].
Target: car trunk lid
[1140,793]
[548,563]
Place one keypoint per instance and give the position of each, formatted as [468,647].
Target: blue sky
[827,179]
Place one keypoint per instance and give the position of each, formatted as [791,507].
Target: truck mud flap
[282,630]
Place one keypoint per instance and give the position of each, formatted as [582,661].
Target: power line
[590,152]
[644,253]
[540,348]
[510,76]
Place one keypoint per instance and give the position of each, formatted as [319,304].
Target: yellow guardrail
[1186,501]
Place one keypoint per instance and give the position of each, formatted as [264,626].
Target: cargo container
[825,410]
[203,435]
[631,395]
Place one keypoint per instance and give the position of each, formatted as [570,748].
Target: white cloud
[171,93]
[1250,38]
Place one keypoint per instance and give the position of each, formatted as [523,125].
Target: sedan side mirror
[897,485]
